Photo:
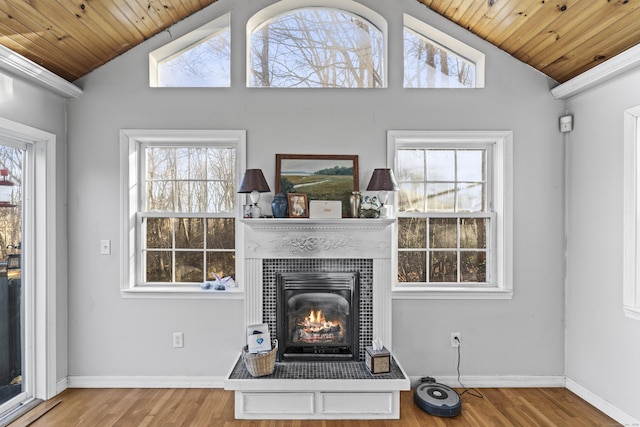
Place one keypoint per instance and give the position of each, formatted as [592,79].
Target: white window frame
[501,282]
[450,44]
[285,6]
[131,143]
[631,211]
[185,42]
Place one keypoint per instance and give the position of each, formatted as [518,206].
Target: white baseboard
[144,382]
[62,385]
[514,381]
[601,404]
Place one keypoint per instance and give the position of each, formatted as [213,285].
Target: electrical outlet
[178,340]
[455,339]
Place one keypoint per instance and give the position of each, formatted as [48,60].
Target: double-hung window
[454,213]
[631,223]
[180,208]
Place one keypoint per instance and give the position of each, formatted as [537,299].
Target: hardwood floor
[214,407]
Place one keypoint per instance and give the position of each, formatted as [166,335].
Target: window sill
[448,293]
[632,312]
[181,293]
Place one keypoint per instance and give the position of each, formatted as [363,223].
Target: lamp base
[386,211]
[256,212]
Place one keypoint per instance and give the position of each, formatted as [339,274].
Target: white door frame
[41,211]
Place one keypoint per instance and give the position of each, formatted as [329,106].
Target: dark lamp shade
[382,180]
[253,180]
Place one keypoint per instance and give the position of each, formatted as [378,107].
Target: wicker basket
[260,364]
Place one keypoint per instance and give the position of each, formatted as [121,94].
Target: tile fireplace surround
[319,390]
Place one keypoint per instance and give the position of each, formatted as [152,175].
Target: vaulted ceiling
[561,38]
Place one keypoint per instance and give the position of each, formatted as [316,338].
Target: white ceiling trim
[22,67]
[623,62]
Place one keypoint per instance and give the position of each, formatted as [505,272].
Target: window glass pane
[441,197]
[317,47]
[160,163]
[221,263]
[443,266]
[189,233]
[441,165]
[191,163]
[189,266]
[429,65]
[411,164]
[206,64]
[473,233]
[159,233]
[221,175]
[470,197]
[411,197]
[412,266]
[471,165]
[473,266]
[158,266]
[221,233]
[412,233]
[443,233]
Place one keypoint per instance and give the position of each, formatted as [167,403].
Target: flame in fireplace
[317,317]
[315,327]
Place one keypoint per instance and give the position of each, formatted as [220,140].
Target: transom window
[452,209]
[181,208]
[433,59]
[201,58]
[316,47]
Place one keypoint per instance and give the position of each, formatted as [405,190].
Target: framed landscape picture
[320,177]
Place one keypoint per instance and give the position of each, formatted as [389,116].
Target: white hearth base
[316,399]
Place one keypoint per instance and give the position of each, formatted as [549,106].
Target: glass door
[15,307]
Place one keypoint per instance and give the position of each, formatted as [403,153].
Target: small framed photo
[298,205]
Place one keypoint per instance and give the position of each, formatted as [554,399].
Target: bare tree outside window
[444,225]
[199,181]
[11,215]
[428,65]
[205,64]
[317,47]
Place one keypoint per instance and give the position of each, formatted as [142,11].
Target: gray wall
[603,346]
[41,109]
[111,336]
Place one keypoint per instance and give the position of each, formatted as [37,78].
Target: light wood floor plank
[507,407]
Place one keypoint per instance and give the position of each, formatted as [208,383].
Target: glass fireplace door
[318,316]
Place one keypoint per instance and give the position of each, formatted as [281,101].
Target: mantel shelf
[321,223]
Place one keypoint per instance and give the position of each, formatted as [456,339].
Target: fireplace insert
[317,316]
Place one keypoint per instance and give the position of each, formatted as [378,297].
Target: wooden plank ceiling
[561,38]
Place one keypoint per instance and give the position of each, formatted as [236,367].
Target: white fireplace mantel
[316,398]
[320,238]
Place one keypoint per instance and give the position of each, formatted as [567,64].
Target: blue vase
[279,206]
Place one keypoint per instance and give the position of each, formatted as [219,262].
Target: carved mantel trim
[328,238]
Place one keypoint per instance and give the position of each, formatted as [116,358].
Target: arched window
[201,58]
[316,47]
[433,59]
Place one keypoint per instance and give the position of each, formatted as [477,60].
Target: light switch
[105,247]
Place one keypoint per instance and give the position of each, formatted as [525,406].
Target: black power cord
[472,391]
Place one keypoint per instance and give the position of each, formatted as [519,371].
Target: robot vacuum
[437,399]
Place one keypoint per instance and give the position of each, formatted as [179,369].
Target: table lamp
[383,181]
[253,182]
